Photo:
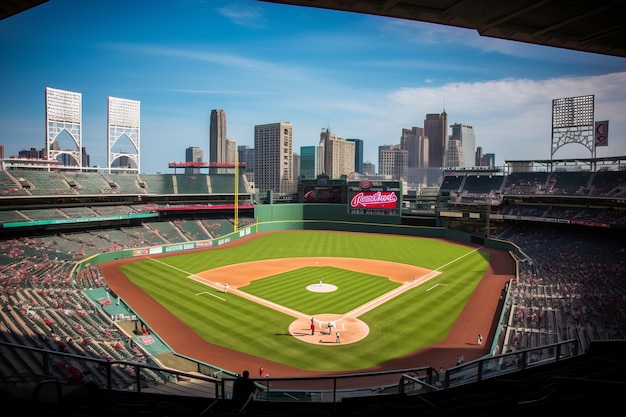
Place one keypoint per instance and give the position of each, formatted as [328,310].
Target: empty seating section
[159,183]
[11,216]
[525,183]
[191,184]
[144,235]
[87,183]
[113,210]
[243,221]
[43,214]
[123,183]
[218,227]
[78,212]
[45,183]
[452,183]
[523,210]
[117,239]
[146,208]
[609,184]
[167,230]
[225,184]
[9,185]
[569,183]
[193,229]
[482,185]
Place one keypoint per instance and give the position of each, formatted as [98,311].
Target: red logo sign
[146,340]
[375,200]
[365,184]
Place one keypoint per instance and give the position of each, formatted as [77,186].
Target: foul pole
[236,191]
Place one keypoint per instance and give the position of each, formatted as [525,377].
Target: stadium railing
[145,377]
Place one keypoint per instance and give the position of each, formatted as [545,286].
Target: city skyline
[360,76]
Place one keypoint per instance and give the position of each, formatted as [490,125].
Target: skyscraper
[485,159]
[454,154]
[436,130]
[369,168]
[246,154]
[193,154]
[311,161]
[338,154]
[231,150]
[393,161]
[358,154]
[415,142]
[217,139]
[273,158]
[465,134]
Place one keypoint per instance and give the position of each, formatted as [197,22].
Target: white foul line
[360,310]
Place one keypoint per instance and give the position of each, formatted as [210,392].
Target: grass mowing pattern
[409,322]
[289,289]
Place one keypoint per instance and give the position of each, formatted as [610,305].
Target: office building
[454,154]
[246,154]
[273,158]
[338,154]
[369,168]
[231,151]
[415,142]
[358,154]
[465,134]
[217,139]
[311,161]
[485,159]
[393,162]
[193,154]
[436,130]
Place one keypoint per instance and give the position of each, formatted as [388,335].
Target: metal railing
[47,365]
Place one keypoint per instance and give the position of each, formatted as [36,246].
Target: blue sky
[361,76]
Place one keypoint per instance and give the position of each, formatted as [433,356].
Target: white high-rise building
[231,149]
[393,161]
[193,154]
[338,154]
[273,158]
[64,114]
[465,134]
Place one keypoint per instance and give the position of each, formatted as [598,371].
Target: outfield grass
[411,321]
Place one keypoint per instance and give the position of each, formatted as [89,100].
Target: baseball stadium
[495,291]
[173,294]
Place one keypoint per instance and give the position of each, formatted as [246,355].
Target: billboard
[322,190]
[374,200]
[374,197]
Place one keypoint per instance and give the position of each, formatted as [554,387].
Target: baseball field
[252,302]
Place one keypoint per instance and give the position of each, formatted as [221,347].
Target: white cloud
[243,14]
[511,117]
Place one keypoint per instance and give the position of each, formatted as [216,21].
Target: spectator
[243,388]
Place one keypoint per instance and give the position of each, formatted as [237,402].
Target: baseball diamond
[479,310]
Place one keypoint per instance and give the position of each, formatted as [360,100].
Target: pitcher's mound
[321,287]
[350,330]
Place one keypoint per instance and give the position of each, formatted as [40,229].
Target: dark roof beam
[507,16]
[575,18]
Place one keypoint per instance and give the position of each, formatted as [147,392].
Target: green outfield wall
[306,216]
